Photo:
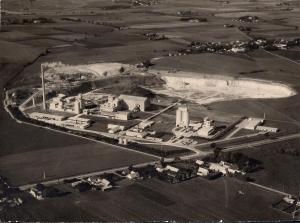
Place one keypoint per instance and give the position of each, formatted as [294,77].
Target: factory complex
[132,118]
[184,128]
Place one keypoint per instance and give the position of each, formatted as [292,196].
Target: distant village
[237,46]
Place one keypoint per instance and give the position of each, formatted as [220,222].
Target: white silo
[80,100]
[182,117]
[77,105]
[178,117]
[185,120]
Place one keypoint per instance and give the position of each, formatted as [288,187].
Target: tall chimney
[0,15]
[43,87]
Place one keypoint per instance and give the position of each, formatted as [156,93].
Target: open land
[190,200]
[59,162]
[280,165]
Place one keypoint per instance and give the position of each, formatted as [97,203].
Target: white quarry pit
[205,89]
[90,71]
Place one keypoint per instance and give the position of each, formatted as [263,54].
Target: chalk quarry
[205,89]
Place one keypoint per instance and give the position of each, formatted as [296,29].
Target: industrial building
[182,117]
[112,128]
[250,123]
[67,104]
[77,122]
[61,120]
[186,129]
[57,103]
[136,133]
[145,124]
[112,104]
[50,118]
[134,102]
[100,104]
[266,129]
[122,115]
[207,129]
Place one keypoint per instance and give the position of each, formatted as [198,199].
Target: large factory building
[133,102]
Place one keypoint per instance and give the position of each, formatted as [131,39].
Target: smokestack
[43,87]
[0,15]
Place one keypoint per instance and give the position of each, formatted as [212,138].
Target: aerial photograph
[149,110]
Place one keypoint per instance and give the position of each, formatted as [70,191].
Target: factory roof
[39,114]
[146,124]
[123,112]
[131,97]
[61,96]
[250,123]
[74,118]
[171,168]
[206,130]
[182,107]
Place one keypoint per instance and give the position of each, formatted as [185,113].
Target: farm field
[280,163]
[156,200]
[29,167]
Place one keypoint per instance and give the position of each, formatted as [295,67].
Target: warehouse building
[250,123]
[135,102]
[266,129]
[46,117]
[206,131]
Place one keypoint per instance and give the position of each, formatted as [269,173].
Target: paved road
[233,148]
[266,51]
[273,54]
[261,142]
[204,144]
[235,131]
[81,176]
[282,57]
[270,189]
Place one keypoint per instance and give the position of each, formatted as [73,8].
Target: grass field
[156,200]
[58,162]
[281,170]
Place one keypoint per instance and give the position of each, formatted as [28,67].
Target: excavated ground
[206,88]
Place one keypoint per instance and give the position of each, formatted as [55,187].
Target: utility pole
[43,86]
